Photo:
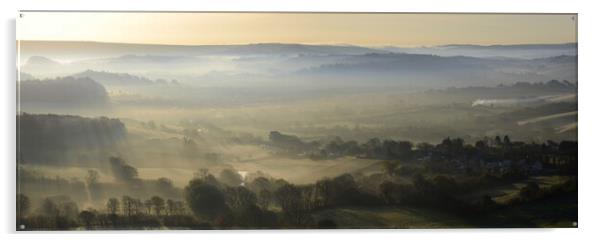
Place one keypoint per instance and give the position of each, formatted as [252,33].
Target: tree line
[229,201]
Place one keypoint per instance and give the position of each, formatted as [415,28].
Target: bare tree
[137,206]
[127,205]
[171,207]
[113,205]
[158,204]
[23,205]
[148,204]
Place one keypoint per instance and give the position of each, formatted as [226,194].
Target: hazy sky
[242,28]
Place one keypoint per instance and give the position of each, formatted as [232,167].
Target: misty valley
[266,136]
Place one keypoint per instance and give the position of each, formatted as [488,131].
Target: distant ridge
[523,51]
[70,50]
[111,78]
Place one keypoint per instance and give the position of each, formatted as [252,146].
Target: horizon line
[298,43]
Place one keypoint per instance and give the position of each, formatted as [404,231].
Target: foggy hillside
[67,140]
[116,79]
[317,66]
[435,71]
[530,51]
[62,94]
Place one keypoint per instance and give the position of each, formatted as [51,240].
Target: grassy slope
[559,212]
[389,217]
[504,193]
[549,213]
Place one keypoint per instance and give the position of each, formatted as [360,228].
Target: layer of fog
[303,66]
[188,108]
[524,100]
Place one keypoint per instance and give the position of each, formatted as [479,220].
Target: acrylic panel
[266,120]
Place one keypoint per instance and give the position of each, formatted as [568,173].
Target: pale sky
[315,28]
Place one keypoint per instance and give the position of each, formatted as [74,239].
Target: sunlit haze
[306,28]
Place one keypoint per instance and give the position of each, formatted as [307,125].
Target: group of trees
[96,185]
[51,139]
[60,212]
[290,143]
[68,91]
[153,206]
[532,191]
[455,155]
[274,203]
[267,202]
[57,212]
[258,201]
[122,171]
[228,204]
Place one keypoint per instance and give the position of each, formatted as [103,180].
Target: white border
[590,136]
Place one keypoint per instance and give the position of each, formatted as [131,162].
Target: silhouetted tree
[113,205]
[259,184]
[507,140]
[127,204]
[137,206]
[239,197]
[158,204]
[498,140]
[205,200]
[179,208]
[121,170]
[230,177]
[59,212]
[23,205]
[148,204]
[169,207]
[49,208]
[87,216]
[290,199]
